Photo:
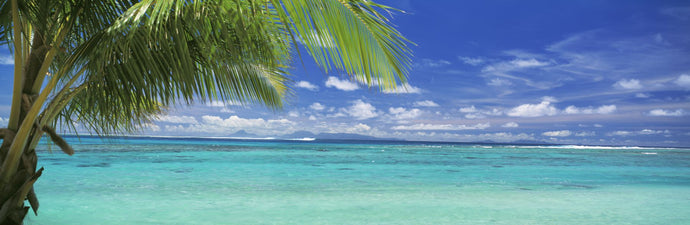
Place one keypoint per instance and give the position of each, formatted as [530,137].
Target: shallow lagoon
[212,181]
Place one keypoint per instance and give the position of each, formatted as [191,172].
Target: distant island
[306,134]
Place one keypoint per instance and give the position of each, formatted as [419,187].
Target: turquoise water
[196,181]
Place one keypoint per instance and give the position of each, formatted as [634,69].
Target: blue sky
[572,72]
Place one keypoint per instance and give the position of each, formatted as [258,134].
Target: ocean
[220,181]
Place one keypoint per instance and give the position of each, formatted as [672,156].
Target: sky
[588,72]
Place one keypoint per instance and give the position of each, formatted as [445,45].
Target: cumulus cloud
[343,85]
[470,109]
[683,81]
[424,126]
[307,85]
[359,128]
[425,103]
[401,113]
[216,125]
[662,112]
[641,132]
[4,122]
[361,110]
[642,95]
[471,61]
[533,110]
[510,125]
[585,134]
[176,119]
[474,113]
[6,60]
[317,106]
[628,84]
[559,133]
[605,109]
[237,122]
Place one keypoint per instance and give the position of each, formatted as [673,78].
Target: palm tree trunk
[20,186]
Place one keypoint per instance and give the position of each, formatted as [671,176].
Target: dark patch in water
[161,161]
[57,163]
[515,157]
[404,176]
[564,186]
[497,166]
[184,156]
[315,165]
[525,189]
[322,150]
[452,171]
[95,165]
[182,170]
[345,169]
[470,157]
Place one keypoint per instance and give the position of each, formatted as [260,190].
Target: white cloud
[499,82]
[650,132]
[359,128]
[662,112]
[510,125]
[642,95]
[6,60]
[176,119]
[620,133]
[219,126]
[401,113]
[317,106]
[425,103]
[237,122]
[470,109]
[293,113]
[307,85]
[475,116]
[431,63]
[585,134]
[641,132]
[361,110]
[560,133]
[474,113]
[516,64]
[424,126]
[549,99]
[683,81]
[4,122]
[342,85]
[534,110]
[471,61]
[628,84]
[524,63]
[606,109]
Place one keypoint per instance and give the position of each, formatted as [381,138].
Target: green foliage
[137,58]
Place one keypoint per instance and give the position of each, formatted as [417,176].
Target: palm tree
[110,66]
